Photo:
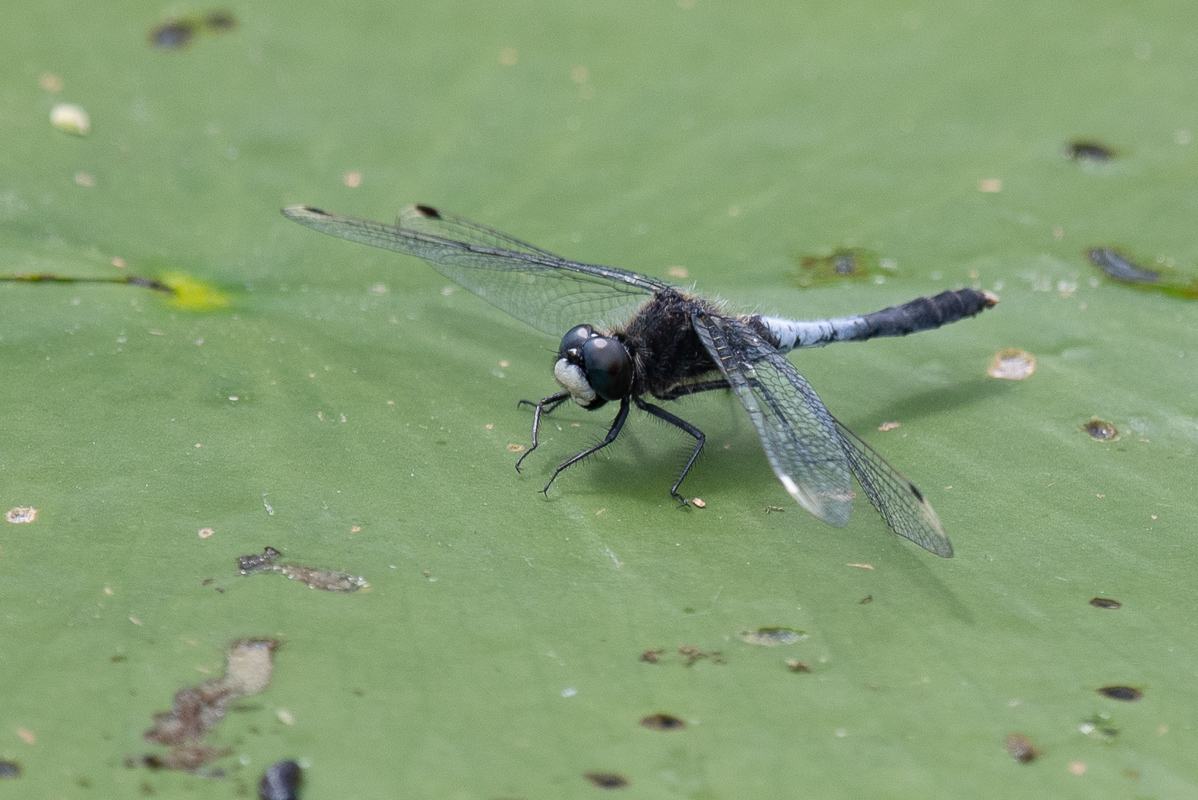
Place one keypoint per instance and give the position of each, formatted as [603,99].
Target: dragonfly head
[593,368]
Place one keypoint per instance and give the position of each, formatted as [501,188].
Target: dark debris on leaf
[1021,748]
[607,780]
[1127,694]
[281,781]
[1089,150]
[662,722]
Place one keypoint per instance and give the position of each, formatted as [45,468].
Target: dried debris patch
[21,515]
[317,578]
[248,665]
[773,636]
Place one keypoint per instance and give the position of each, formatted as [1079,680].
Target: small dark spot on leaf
[220,21]
[1126,693]
[607,780]
[651,656]
[1089,150]
[1105,602]
[1021,748]
[206,582]
[1101,430]
[869,598]
[172,35]
[662,722]
[281,781]
[177,33]
[10,769]
[118,658]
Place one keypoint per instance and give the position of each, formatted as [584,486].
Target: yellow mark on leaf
[193,293]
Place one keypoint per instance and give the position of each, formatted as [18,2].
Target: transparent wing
[896,498]
[799,435]
[548,292]
[435,222]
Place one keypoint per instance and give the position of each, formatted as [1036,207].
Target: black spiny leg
[616,426]
[547,405]
[685,389]
[677,422]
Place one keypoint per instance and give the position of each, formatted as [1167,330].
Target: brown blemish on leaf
[1105,602]
[662,722]
[651,656]
[693,654]
[1021,748]
[248,664]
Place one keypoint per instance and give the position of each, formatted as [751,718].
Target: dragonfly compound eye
[608,367]
[574,339]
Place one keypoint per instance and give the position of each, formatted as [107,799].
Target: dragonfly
[647,340]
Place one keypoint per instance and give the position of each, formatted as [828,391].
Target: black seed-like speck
[662,722]
[607,780]
[1105,602]
[10,769]
[1126,693]
[1089,150]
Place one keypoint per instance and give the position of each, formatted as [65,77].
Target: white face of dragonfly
[593,368]
[574,381]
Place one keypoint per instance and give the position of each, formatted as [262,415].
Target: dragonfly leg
[616,426]
[684,389]
[546,406]
[685,426]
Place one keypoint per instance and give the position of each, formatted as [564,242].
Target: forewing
[548,292]
[797,432]
[896,498]
[435,222]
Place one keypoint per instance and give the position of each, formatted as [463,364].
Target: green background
[374,411]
